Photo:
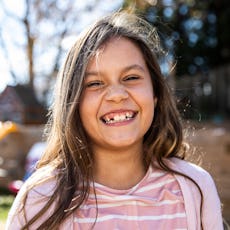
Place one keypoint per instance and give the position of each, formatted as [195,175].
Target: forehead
[116,41]
[118,49]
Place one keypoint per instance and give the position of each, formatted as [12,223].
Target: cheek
[149,116]
[88,109]
[84,110]
[146,95]
[148,103]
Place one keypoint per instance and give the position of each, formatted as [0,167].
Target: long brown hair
[68,151]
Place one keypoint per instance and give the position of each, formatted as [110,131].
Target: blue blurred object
[32,158]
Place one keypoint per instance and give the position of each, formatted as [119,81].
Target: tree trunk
[30,45]
[30,49]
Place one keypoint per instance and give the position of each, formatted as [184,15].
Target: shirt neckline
[113,191]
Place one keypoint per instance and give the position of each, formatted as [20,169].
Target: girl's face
[117,103]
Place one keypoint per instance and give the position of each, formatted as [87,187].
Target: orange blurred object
[6,128]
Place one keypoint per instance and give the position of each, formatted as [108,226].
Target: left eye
[131,78]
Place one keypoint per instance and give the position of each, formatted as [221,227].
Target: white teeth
[128,115]
[122,117]
[106,119]
[118,118]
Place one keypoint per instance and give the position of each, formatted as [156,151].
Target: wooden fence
[205,96]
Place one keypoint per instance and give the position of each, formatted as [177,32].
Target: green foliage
[5,204]
[195,32]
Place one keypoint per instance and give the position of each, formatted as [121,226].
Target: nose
[116,93]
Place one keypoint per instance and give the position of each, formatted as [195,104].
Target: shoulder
[43,181]
[32,197]
[202,177]
[192,170]
[210,197]
[199,175]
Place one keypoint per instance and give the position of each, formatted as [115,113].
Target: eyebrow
[124,70]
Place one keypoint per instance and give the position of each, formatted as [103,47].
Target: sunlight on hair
[152,2]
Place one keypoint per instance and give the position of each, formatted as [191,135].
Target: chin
[123,143]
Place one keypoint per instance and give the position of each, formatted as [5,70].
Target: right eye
[94,84]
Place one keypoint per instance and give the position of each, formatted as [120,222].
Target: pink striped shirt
[155,202]
[144,196]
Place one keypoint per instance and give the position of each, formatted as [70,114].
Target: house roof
[19,104]
[26,95]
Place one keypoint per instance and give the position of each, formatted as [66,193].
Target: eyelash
[94,84]
[131,77]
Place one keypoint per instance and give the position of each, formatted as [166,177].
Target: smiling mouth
[112,118]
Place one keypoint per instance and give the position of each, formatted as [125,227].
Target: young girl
[115,149]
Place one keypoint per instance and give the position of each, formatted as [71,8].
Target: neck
[119,169]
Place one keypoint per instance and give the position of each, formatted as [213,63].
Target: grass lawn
[5,204]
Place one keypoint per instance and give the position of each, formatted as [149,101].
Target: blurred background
[35,36]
